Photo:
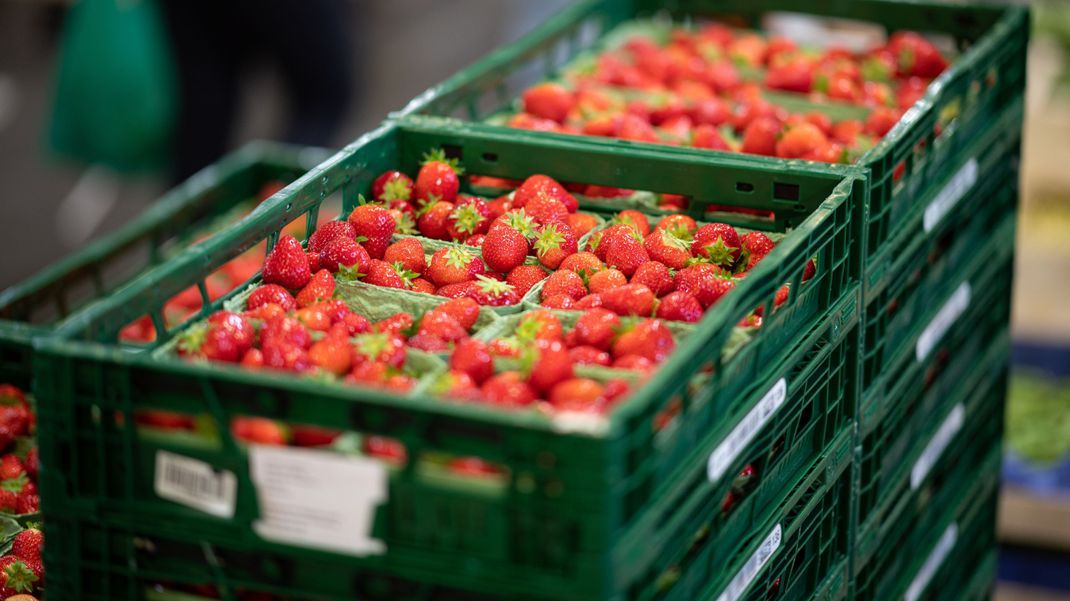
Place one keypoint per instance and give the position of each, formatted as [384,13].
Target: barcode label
[928,569]
[722,457]
[952,424]
[195,484]
[754,565]
[952,193]
[952,309]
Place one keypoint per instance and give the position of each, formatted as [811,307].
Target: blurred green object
[1038,417]
[115,93]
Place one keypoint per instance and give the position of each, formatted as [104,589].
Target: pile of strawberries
[22,572]
[18,476]
[705,89]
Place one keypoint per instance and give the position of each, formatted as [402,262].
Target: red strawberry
[600,242]
[718,242]
[567,283]
[680,306]
[345,255]
[596,328]
[539,325]
[286,357]
[452,266]
[303,435]
[32,464]
[542,185]
[456,385]
[319,288]
[504,249]
[16,576]
[704,284]
[472,357]
[626,253]
[379,347]
[470,216]
[375,225]
[558,301]
[329,232]
[313,261]
[287,265]
[591,301]
[809,270]
[544,210]
[27,544]
[11,467]
[553,243]
[226,337]
[588,355]
[392,185]
[633,362]
[442,325]
[253,359]
[464,310]
[490,292]
[381,273]
[384,448]
[409,253]
[549,364]
[756,245]
[578,394]
[438,177]
[581,223]
[650,339]
[9,501]
[656,276]
[432,220]
[800,140]
[500,206]
[395,324]
[881,121]
[284,330]
[462,290]
[606,279]
[332,355]
[667,247]
[548,101]
[314,317]
[523,277]
[760,137]
[428,343]
[582,261]
[508,389]
[630,299]
[635,220]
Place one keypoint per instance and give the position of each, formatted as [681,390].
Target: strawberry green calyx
[405,225]
[906,60]
[874,69]
[492,287]
[349,273]
[458,257]
[191,340]
[677,237]
[821,83]
[550,238]
[425,205]
[15,484]
[406,275]
[439,156]
[20,578]
[720,253]
[467,218]
[373,344]
[594,241]
[396,189]
[521,222]
[527,331]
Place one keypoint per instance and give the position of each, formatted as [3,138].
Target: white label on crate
[754,565]
[928,569]
[951,426]
[952,193]
[318,499]
[722,457]
[952,309]
[195,484]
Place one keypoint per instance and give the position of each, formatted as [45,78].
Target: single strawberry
[253,359]
[374,227]
[369,373]
[270,293]
[519,220]
[284,330]
[581,223]
[464,310]
[582,261]
[523,277]
[314,261]
[542,185]
[462,290]
[548,101]
[665,246]
[591,301]
[456,385]
[588,355]
[392,185]
[346,256]
[314,317]
[475,241]
[470,216]
[500,206]
[332,355]
[473,357]
[809,270]
[606,279]
[578,394]
[634,363]
[286,264]
[781,296]
[379,347]
[545,210]
[567,283]
[602,241]
[395,324]
[650,338]
[493,293]
[680,306]
[442,325]
[381,273]
[319,288]
[635,220]
[438,177]
[11,467]
[329,232]
[755,245]
[508,389]
[630,299]
[760,136]
[28,543]
[596,328]
[656,276]
[546,363]
[432,219]
[409,253]
[627,253]
[539,325]
[16,577]
[704,282]
[718,242]
[558,301]
[553,244]
[504,248]
[452,266]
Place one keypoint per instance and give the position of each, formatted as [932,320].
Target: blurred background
[384,53]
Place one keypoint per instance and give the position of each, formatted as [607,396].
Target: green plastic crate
[928,144]
[92,561]
[922,565]
[954,307]
[34,307]
[903,489]
[582,513]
